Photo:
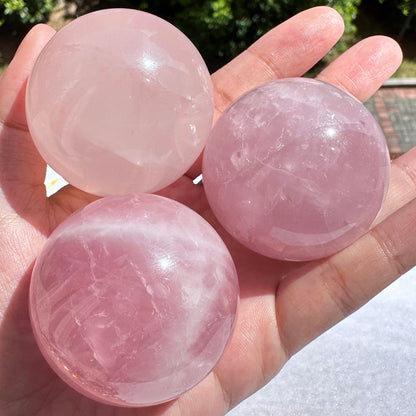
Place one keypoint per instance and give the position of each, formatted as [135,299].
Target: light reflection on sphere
[296,169]
[120,101]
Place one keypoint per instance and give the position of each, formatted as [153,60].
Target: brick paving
[394,107]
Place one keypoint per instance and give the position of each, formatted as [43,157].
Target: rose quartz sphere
[133,299]
[296,169]
[120,101]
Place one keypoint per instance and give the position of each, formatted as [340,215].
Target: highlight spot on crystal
[296,169]
[120,101]
[133,299]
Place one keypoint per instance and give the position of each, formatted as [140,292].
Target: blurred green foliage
[223,28]
[219,28]
[25,11]
[404,6]
[401,13]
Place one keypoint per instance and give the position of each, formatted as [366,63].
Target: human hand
[283,305]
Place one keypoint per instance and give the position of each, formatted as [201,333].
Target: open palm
[283,305]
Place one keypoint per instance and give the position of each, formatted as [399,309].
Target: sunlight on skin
[283,305]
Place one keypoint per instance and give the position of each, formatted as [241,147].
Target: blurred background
[222,28]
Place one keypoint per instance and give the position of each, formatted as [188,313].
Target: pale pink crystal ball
[133,299]
[120,101]
[296,169]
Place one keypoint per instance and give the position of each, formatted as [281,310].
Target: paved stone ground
[395,109]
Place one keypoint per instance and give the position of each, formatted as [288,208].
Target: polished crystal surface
[120,101]
[296,169]
[133,299]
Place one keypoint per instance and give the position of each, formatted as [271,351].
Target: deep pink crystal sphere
[120,101]
[133,299]
[296,169]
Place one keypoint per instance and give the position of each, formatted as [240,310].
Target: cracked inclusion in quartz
[133,299]
[120,101]
[296,169]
